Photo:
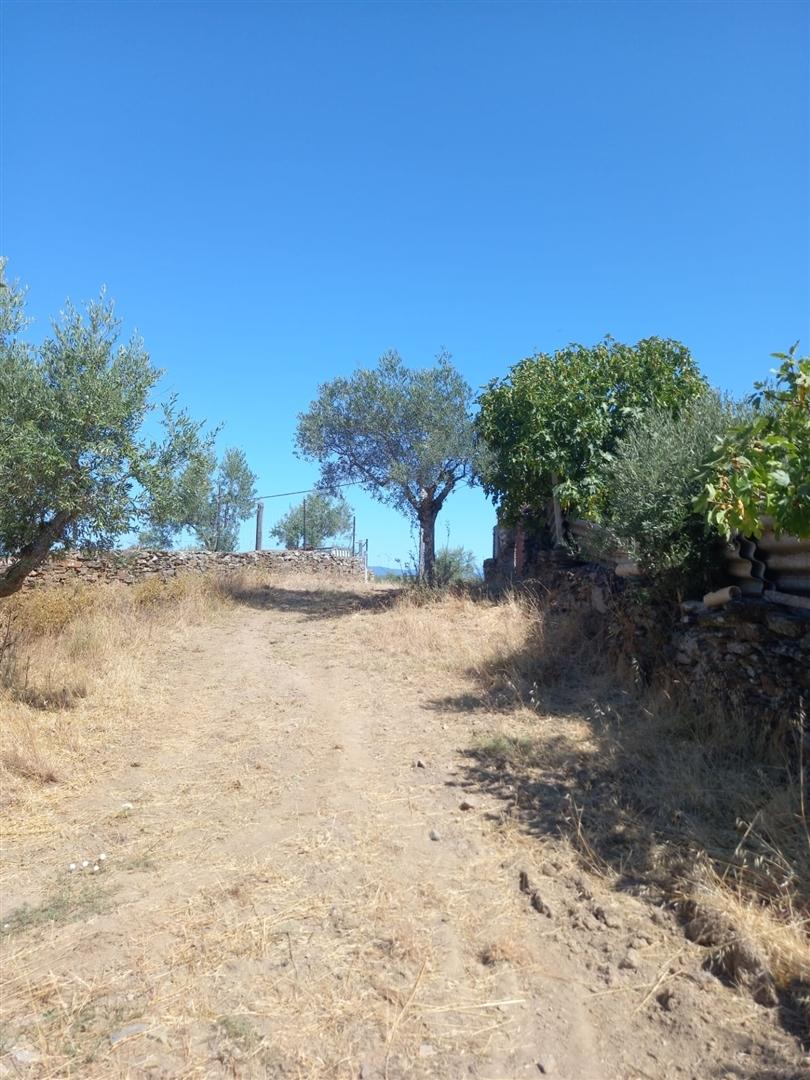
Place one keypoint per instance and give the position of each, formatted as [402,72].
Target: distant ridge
[385,571]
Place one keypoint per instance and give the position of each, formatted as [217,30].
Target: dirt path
[300,881]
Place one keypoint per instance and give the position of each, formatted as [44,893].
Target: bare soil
[309,873]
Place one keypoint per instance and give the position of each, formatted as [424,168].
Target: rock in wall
[751,656]
[135,564]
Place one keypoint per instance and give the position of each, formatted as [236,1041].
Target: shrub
[762,466]
[651,484]
[455,566]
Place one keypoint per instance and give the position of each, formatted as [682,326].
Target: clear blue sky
[277,193]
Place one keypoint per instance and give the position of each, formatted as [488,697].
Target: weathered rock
[789,626]
[23,1056]
[631,961]
[607,916]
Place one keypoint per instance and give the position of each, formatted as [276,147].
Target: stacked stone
[758,652]
[751,656]
[136,564]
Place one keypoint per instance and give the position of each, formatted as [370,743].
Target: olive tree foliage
[405,436]
[551,424]
[323,518]
[76,468]
[229,500]
[653,478]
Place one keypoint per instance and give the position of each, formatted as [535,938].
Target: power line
[306,491]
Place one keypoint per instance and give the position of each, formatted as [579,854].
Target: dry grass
[650,790]
[459,631]
[69,677]
[642,792]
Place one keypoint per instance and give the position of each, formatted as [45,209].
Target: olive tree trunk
[34,553]
[428,512]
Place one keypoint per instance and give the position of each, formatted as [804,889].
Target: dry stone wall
[136,564]
[750,656]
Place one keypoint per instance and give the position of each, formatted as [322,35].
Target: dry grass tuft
[730,915]
[28,764]
[47,611]
[503,951]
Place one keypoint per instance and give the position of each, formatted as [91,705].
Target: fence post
[259,523]
[558,517]
[305,523]
[354,531]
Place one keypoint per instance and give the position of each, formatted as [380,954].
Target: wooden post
[558,517]
[305,523]
[354,532]
[259,523]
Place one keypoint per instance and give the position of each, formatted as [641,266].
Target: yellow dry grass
[69,685]
[675,793]
[712,823]
[458,631]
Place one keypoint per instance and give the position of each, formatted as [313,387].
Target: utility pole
[259,523]
[354,532]
[305,523]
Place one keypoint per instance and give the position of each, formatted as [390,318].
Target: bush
[762,466]
[651,484]
[455,566]
[48,610]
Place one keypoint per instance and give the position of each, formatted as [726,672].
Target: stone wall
[135,564]
[750,655]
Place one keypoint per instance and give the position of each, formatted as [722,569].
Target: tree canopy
[405,436]
[76,466]
[551,423]
[313,521]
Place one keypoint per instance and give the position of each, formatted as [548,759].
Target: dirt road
[305,878]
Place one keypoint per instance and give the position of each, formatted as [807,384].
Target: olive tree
[313,521]
[77,468]
[653,479]
[404,435]
[229,499]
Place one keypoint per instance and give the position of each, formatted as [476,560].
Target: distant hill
[385,571]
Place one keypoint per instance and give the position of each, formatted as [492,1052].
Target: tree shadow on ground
[323,601]
[319,602]
[645,791]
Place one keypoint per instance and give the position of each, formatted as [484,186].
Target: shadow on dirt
[316,603]
[554,785]
[643,789]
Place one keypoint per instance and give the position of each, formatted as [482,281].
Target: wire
[306,491]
